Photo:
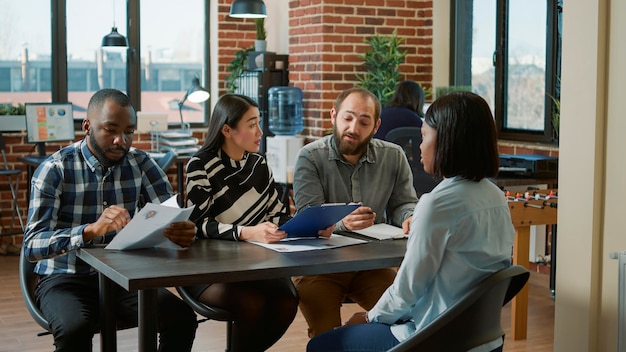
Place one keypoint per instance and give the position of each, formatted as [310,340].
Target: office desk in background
[205,261]
[33,161]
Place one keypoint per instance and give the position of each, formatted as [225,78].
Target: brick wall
[326,38]
[16,147]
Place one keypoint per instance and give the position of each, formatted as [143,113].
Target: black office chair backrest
[410,138]
[28,283]
[474,319]
[167,160]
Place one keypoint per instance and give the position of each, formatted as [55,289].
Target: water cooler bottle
[285,121]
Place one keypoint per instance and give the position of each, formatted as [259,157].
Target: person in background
[405,109]
[82,195]
[461,231]
[350,166]
[236,199]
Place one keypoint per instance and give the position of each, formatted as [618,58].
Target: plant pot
[260,45]
[12,123]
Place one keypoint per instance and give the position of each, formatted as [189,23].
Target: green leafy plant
[556,115]
[9,109]
[236,68]
[261,34]
[383,60]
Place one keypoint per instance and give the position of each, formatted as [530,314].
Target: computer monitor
[49,122]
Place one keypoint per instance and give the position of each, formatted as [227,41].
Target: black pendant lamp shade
[114,39]
[248,9]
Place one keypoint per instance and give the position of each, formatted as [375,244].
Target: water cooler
[285,121]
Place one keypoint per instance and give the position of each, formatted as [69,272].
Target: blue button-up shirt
[71,189]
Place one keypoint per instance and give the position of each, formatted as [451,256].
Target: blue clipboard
[314,218]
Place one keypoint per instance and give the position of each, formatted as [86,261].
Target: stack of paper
[382,232]
[145,230]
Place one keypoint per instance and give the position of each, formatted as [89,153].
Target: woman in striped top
[233,190]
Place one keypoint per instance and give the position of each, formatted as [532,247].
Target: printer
[529,165]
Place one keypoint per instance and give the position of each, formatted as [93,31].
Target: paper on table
[309,244]
[382,232]
[145,230]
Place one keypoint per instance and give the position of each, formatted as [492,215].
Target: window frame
[460,67]
[60,91]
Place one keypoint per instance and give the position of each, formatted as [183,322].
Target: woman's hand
[325,233]
[266,232]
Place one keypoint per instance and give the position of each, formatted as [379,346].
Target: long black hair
[229,110]
[467,142]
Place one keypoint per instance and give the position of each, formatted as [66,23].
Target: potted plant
[13,117]
[9,109]
[261,35]
[383,61]
[237,67]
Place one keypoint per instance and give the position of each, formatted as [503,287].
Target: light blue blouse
[461,232]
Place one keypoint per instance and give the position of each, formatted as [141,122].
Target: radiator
[621,305]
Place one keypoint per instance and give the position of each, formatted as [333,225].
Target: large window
[25,51]
[508,52]
[50,50]
[172,51]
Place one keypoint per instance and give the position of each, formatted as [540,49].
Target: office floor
[18,332]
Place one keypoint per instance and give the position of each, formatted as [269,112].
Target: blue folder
[309,221]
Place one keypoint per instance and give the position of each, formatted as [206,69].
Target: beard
[106,162]
[346,148]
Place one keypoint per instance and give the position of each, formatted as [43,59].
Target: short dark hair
[408,95]
[467,142]
[228,110]
[364,93]
[97,100]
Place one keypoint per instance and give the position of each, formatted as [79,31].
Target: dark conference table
[147,270]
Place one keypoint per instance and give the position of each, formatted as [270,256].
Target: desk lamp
[195,94]
[248,9]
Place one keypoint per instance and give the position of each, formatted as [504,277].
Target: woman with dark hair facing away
[235,199]
[405,109]
[461,232]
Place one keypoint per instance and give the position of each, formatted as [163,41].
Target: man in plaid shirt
[84,194]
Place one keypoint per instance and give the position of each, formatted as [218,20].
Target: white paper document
[382,232]
[145,230]
[309,244]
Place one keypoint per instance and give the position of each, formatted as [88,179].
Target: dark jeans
[352,338]
[70,304]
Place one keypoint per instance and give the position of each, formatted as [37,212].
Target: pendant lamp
[114,39]
[248,9]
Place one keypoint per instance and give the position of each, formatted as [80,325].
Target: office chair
[13,185]
[167,160]
[474,319]
[410,138]
[210,313]
[28,283]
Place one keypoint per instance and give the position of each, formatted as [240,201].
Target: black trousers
[70,304]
